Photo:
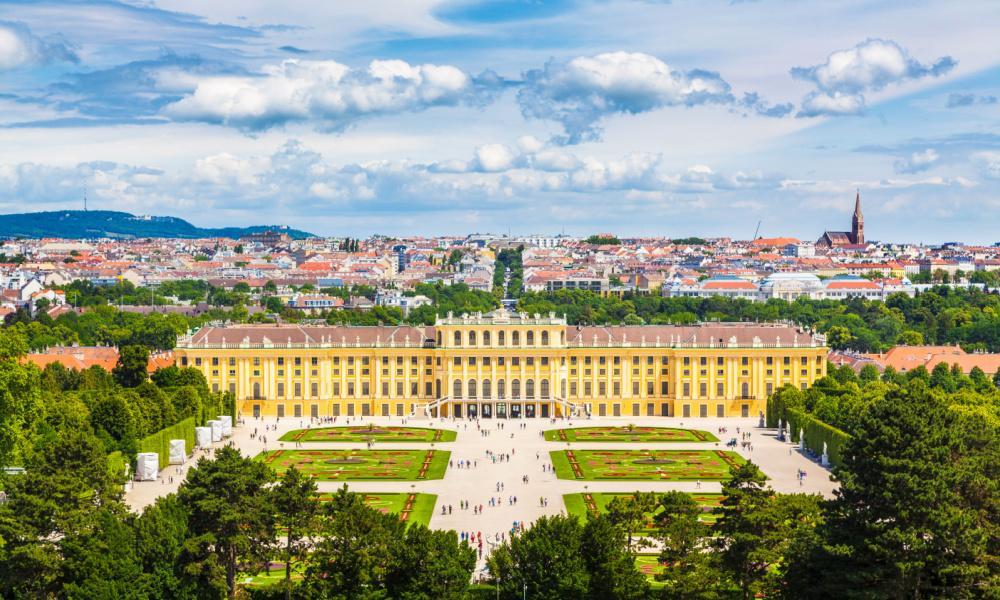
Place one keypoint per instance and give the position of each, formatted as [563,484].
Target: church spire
[858,222]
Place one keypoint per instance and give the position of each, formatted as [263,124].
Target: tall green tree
[297,510]
[610,562]
[20,398]
[917,511]
[545,561]
[229,507]
[688,572]
[744,542]
[66,483]
[132,367]
[631,513]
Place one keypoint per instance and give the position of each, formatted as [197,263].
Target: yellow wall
[378,380]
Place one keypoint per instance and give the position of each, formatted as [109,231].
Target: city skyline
[641,118]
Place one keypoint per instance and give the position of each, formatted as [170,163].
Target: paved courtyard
[522,440]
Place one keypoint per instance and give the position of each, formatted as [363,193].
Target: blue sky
[640,117]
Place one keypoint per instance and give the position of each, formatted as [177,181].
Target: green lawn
[649,565]
[628,434]
[350,465]
[642,465]
[582,504]
[364,433]
[419,511]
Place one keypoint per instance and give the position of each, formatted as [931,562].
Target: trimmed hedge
[159,442]
[116,464]
[816,433]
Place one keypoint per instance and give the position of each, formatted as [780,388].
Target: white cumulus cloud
[580,92]
[848,74]
[328,93]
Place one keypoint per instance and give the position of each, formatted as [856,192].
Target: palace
[504,365]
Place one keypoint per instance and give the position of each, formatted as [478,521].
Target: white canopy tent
[147,466]
[216,426]
[227,425]
[202,437]
[177,453]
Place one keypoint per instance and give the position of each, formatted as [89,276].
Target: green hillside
[78,224]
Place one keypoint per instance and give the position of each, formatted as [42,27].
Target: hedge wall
[816,433]
[116,464]
[160,441]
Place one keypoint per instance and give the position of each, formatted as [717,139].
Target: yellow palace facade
[504,365]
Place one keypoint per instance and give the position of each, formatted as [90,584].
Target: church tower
[858,222]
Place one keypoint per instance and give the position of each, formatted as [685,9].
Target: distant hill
[78,224]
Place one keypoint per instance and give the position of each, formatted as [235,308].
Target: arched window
[562,388]
[458,338]
[501,389]
[515,338]
[745,390]
[457,391]
[515,388]
[545,388]
[531,338]
[486,338]
[529,388]
[545,338]
[487,389]
[500,340]
[472,388]
[472,338]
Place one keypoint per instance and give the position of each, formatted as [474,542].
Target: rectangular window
[336,388]
[314,389]
[702,390]
[281,410]
[663,388]
[281,389]
[720,410]
[365,389]
[687,390]
[385,388]
[399,389]
[635,388]
[720,390]
[298,390]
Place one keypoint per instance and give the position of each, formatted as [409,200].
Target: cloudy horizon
[433,117]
